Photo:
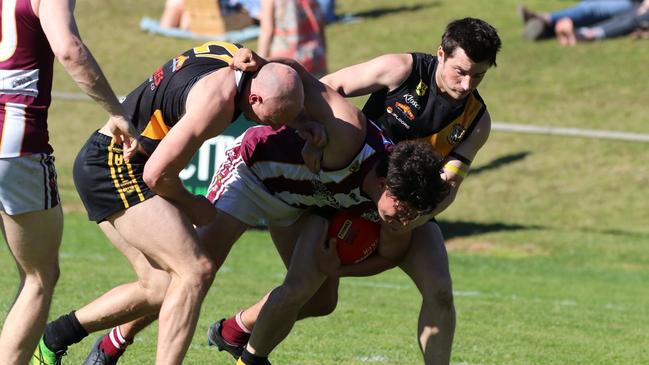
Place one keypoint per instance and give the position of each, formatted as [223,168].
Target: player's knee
[201,275]
[444,297]
[45,278]
[155,285]
[322,306]
[328,306]
[439,290]
[289,296]
[53,277]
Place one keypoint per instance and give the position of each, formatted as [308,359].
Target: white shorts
[236,191]
[28,184]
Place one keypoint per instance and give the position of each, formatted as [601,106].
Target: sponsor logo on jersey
[408,98]
[156,78]
[322,195]
[390,111]
[421,88]
[178,62]
[405,109]
[456,135]
[20,81]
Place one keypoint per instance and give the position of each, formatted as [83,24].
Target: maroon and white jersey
[26,63]
[275,158]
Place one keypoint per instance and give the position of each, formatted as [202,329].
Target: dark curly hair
[476,37]
[413,175]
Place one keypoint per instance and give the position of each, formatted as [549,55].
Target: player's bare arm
[209,109]
[457,164]
[344,123]
[60,27]
[387,71]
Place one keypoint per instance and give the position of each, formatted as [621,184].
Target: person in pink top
[293,29]
[33,33]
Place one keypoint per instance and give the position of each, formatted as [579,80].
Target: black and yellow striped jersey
[415,110]
[158,103]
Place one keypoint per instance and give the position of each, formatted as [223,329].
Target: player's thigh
[285,238]
[34,238]
[219,236]
[304,266]
[143,267]
[426,260]
[325,298]
[162,232]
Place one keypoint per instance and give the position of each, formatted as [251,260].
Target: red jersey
[26,64]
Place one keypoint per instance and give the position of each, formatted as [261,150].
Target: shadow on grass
[614,232]
[463,229]
[379,12]
[501,161]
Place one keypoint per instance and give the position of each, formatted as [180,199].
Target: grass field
[548,238]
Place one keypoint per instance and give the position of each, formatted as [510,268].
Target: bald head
[276,94]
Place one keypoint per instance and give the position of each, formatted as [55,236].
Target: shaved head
[280,94]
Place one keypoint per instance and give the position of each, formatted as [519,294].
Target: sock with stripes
[113,344]
[234,331]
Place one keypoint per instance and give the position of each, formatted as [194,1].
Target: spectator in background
[174,15]
[253,7]
[585,13]
[30,212]
[329,9]
[294,29]
[616,26]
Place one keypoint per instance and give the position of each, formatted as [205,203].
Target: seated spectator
[293,29]
[586,12]
[619,25]
[253,7]
[329,9]
[174,15]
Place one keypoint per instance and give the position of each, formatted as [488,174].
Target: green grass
[548,238]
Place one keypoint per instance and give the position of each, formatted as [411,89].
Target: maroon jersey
[274,157]
[26,63]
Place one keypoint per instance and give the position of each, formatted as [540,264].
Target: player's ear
[254,99]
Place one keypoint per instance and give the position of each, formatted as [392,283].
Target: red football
[356,238]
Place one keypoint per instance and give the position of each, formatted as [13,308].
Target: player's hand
[313,132]
[125,134]
[202,211]
[312,157]
[329,262]
[246,60]
[315,135]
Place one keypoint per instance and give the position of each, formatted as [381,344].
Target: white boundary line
[65,95]
[572,132]
[496,126]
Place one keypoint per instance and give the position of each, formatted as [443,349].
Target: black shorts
[106,183]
